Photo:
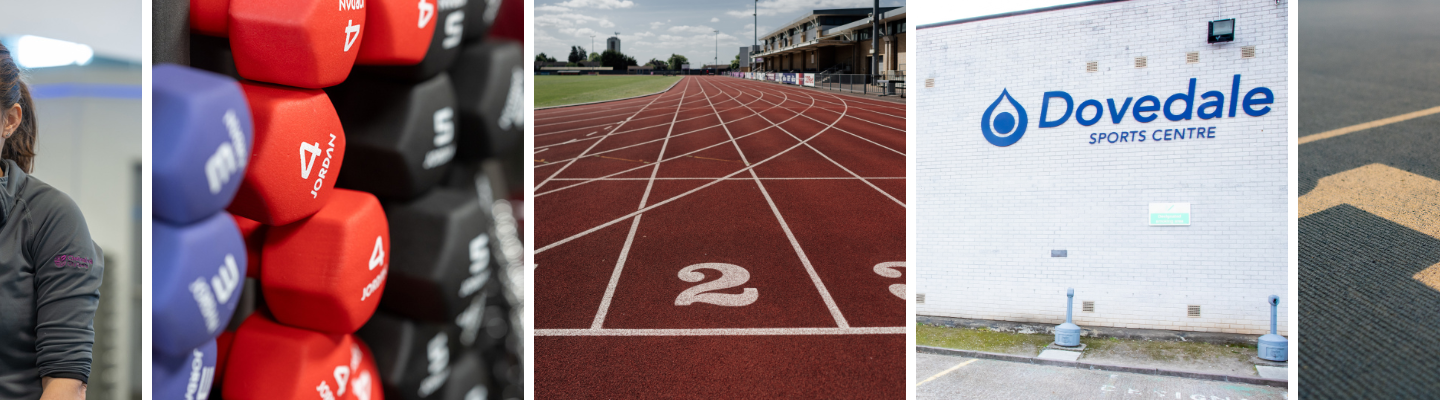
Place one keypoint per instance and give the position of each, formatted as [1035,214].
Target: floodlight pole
[717,48]
[592,45]
[875,39]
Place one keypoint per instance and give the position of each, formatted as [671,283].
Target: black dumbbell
[212,54]
[452,20]
[170,35]
[489,88]
[444,239]
[479,15]
[400,138]
[414,358]
[471,381]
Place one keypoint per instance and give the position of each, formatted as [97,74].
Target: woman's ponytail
[20,147]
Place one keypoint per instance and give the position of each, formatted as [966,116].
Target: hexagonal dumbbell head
[480,14]
[327,273]
[272,361]
[202,142]
[399,31]
[451,24]
[414,358]
[299,147]
[302,43]
[443,238]
[471,380]
[254,234]
[400,137]
[489,86]
[184,376]
[199,271]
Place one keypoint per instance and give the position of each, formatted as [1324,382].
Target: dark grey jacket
[50,274]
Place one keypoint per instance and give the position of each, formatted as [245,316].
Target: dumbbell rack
[482,160]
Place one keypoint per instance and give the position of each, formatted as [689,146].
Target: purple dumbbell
[184,376]
[202,141]
[199,271]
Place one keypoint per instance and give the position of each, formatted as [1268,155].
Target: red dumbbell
[400,31]
[272,361]
[303,43]
[298,149]
[326,273]
[254,234]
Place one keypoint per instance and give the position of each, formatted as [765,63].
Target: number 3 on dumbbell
[731,275]
[888,270]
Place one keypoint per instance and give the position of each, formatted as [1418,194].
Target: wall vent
[1140,62]
[929,82]
[1193,311]
[1192,57]
[1092,66]
[1088,306]
[1247,52]
[919,298]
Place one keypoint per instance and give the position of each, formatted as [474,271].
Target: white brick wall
[989,216]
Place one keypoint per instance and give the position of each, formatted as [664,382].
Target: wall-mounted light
[1221,31]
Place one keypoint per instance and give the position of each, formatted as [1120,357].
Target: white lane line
[889,330]
[540,151]
[639,129]
[629,239]
[601,107]
[592,146]
[734,179]
[599,321]
[680,196]
[832,161]
[795,244]
[538,194]
[857,136]
[933,377]
[858,99]
[1372,124]
[611,123]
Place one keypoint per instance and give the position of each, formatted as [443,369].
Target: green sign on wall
[1168,214]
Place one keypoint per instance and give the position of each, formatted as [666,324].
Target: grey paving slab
[1269,372]
[994,379]
[1061,355]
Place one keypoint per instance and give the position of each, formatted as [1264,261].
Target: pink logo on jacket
[73,261]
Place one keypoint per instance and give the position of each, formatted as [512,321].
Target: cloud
[601,4]
[551,8]
[563,20]
[605,23]
[714,19]
[656,25]
[691,29]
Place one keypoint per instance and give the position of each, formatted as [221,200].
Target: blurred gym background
[82,61]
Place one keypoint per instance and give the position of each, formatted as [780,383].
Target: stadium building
[834,41]
[1135,151]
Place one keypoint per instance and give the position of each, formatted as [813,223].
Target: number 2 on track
[888,270]
[731,275]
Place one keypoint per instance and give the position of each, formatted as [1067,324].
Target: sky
[658,28]
[932,11]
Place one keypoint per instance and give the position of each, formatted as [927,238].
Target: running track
[790,202]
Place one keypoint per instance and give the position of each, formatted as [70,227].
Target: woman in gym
[50,270]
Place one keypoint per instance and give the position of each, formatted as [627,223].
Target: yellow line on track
[952,369]
[1368,125]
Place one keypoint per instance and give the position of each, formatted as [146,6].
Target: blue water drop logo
[1004,129]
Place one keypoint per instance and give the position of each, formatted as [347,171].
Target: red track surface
[804,190]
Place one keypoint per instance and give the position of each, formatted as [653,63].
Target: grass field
[555,90]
